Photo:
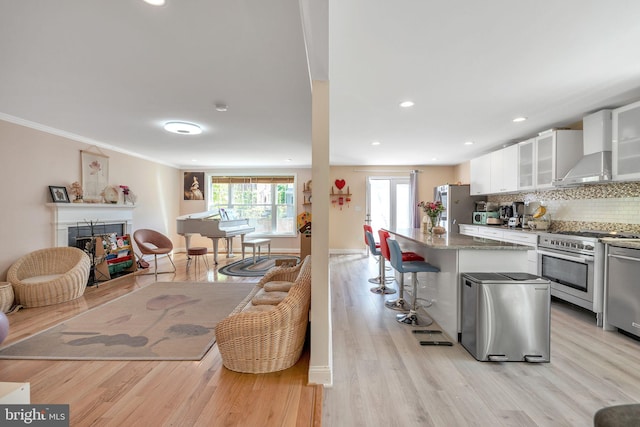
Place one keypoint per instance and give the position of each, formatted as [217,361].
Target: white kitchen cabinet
[491,233]
[525,238]
[556,152]
[626,142]
[468,230]
[526,163]
[480,174]
[520,237]
[504,170]
[508,235]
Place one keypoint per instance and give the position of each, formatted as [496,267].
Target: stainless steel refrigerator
[459,206]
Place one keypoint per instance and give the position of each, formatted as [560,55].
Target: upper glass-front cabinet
[626,142]
[525,164]
[556,153]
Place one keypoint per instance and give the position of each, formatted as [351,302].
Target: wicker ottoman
[6,296]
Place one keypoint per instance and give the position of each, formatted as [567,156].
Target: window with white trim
[268,202]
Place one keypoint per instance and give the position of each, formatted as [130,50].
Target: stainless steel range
[574,263]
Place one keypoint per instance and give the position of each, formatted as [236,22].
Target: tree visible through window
[268,202]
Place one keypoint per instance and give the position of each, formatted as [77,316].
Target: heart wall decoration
[340,183]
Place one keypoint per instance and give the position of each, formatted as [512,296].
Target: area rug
[163,321]
[246,267]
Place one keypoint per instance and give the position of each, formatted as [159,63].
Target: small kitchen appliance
[481,206]
[482,217]
[506,212]
[517,213]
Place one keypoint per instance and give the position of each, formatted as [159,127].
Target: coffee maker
[517,214]
[506,212]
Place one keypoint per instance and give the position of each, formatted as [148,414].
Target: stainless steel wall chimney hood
[595,166]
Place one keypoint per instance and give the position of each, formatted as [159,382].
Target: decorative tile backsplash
[611,207]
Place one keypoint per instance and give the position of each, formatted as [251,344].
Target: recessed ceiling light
[468,143]
[182,128]
[155,2]
[407,104]
[519,119]
[375,143]
[222,107]
[288,160]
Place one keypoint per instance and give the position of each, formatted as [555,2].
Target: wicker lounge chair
[268,341]
[49,276]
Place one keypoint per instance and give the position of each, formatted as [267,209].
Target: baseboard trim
[347,251]
[321,375]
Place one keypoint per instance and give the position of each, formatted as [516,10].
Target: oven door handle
[577,258]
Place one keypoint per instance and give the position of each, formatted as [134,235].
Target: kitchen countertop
[622,243]
[507,228]
[455,241]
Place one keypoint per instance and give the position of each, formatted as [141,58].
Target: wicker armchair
[49,276]
[288,274]
[260,342]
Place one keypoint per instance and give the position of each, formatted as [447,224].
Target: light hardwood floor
[383,377]
[164,393]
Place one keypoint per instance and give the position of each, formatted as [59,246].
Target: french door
[388,203]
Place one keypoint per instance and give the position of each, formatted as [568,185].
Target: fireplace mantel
[67,215]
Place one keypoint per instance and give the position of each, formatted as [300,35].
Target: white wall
[345,232]
[31,160]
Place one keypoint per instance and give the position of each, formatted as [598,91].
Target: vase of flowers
[431,210]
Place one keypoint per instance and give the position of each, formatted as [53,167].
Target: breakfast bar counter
[455,254]
[454,241]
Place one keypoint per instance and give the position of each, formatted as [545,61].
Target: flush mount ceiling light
[182,128]
[468,143]
[222,107]
[519,119]
[407,104]
[155,2]
[375,143]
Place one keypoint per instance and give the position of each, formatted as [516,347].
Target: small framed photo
[59,194]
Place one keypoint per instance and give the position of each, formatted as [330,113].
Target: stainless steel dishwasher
[506,316]
[623,289]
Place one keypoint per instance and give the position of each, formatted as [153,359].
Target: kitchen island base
[443,289]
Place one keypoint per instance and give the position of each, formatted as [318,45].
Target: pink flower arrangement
[432,209]
[125,189]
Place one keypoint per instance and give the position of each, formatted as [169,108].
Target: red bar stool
[381,288]
[376,280]
[399,304]
[414,267]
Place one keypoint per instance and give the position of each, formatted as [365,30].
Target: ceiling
[111,73]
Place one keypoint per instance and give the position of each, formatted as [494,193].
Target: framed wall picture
[59,194]
[95,175]
[194,186]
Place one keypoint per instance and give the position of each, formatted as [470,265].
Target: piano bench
[195,253]
[256,243]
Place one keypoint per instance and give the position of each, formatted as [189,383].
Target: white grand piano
[209,224]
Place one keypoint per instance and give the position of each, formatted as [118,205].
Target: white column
[321,361]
